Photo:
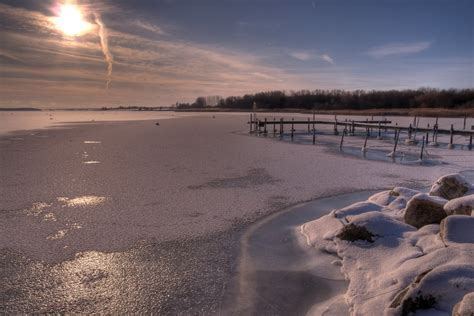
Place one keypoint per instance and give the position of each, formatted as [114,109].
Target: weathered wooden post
[422,148]
[274,127]
[342,139]
[353,127]
[281,127]
[335,129]
[292,128]
[364,149]
[380,131]
[470,142]
[464,124]
[427,138]
[308,126]
[314,136]
[409,131]
[451,135]
[251,122]
[397,136]
[265,127]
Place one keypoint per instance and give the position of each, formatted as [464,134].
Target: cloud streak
[104,43]
[396,49]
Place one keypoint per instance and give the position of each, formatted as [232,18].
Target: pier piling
[342,139]
[292,128]
[451,135]
[422,148]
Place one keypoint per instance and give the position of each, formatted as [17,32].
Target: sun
[70,20]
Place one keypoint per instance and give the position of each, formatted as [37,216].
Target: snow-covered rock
[436,289]
[460,206]
[399,269]
[357,208]
[450,187]
[423,209]
[395,199]
[457,229]
[465,307]
[380,224]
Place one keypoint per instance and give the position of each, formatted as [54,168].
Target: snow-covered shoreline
[395,268]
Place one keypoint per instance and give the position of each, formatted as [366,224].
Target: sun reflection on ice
[82,201]
[58,235]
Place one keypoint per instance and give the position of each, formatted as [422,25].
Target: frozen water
[183,189]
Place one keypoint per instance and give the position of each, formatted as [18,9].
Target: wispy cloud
[327,58]
[149,27]
[303,56]
[306,56]
[398,49]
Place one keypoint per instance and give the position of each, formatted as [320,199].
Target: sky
[158,52]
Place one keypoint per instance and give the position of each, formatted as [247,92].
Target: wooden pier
[368,126]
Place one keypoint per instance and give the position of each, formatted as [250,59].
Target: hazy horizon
[156,53]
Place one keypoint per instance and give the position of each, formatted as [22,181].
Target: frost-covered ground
[405,251]
[96,207]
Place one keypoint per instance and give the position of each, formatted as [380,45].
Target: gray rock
[460,206]
[450,187]
[457,229]
[423,209]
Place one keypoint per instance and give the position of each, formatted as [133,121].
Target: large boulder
[465,307]
[460,206]
[423,209]
[450,187]
[457,229]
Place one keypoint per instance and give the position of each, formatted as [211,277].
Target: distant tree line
[341,99]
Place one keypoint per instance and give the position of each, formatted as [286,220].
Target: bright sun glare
[70,20]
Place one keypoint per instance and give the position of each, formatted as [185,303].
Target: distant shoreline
[425,112]
[20,109]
